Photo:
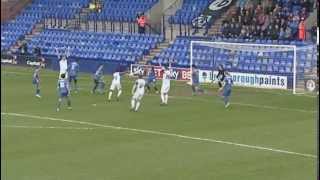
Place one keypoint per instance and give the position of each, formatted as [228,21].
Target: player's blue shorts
[226,92]
[64,94]
[72,78]
[151,80]
[195,83]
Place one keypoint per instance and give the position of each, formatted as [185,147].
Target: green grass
[267,118]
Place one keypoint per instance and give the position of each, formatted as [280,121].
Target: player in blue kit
[73,74]
[151,80]
[226,89]
[63,90]
[195,81]
[97,78]
[36,80]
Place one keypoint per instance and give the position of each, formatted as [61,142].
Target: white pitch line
[47,127]
[164,134]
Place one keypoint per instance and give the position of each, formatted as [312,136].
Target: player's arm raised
[58,53]
[68,52]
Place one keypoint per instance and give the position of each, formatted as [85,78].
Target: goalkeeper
[220,76]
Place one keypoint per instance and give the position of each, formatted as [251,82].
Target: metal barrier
[95,25]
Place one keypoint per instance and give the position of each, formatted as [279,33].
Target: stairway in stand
[215,28]
[37,29]
[154,52]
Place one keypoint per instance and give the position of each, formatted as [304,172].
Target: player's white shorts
[115,86]
[165,88]
[138,95]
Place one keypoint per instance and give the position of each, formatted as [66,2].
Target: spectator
[267,5]
[232,30]
[270,18]
[282,33]
[306,4]
[248,32]
[258,31]
[243,32]
[241,3]
[237,30]
[302,30]
[268,32]
[275,32]
[276,10]
[225,29]
[304,13]
[288,33]
[266,21]
[254,21]
[142,22]
[283,23]
[258,10]
[313,33]
[261,18]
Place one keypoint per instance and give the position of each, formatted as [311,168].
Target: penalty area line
[165,134]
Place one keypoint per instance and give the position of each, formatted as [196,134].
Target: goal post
[255,65]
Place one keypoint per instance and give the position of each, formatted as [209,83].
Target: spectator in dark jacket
[313,33]
[232,30]
[237,30]
[225,30]
[288,33]
[282,33]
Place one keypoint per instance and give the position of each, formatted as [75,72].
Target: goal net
[258,65]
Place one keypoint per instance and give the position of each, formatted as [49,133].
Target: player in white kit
[116,84]
[137,92]
[63,63]
[165,87]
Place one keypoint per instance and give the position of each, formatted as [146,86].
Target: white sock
[137,105]
[110,94]
[162,98]
[133,103]
[166,98]
[119,93]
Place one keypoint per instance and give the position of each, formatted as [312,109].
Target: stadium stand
[34,13]
[122,11]
[99,46]
[190,9]
[283,19]
[132,47]
[242,61]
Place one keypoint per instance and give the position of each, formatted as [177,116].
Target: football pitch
[262,135]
